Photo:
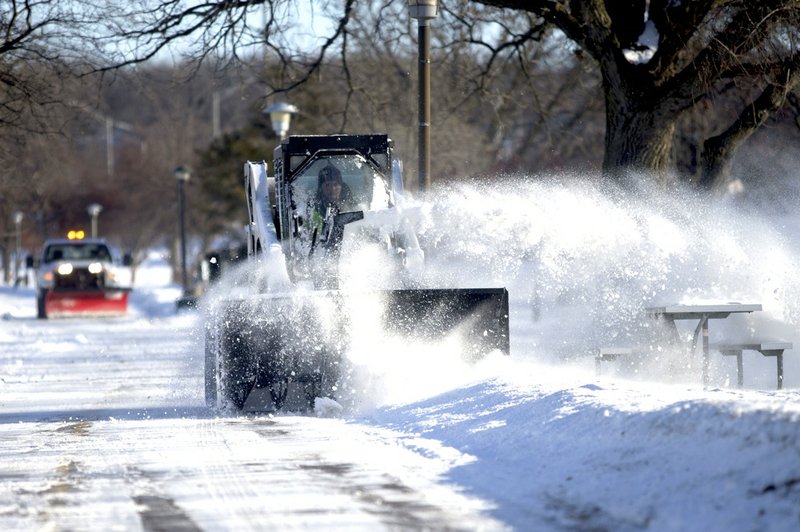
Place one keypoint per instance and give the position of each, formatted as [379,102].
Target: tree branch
[718,151]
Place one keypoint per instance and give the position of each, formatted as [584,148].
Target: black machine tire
[317,386]
[278,392]
[234,358]
[41,310]
[247,350]
[226,363]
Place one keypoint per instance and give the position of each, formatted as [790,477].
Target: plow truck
[81,277]
[282,330]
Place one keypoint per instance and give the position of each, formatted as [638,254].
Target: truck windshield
[76,252]
[362,187]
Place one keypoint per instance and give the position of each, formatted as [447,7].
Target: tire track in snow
[115,407]
[307,473]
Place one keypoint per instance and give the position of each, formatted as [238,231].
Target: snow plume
[582,261]
[385,367]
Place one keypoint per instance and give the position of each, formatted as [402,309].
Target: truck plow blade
[88,303]
[271,343]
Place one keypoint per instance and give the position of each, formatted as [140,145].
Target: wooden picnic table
[703,313]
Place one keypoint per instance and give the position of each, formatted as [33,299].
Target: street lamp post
[424,11]
[182,176]
[94,211]
[17,218]
[280,114]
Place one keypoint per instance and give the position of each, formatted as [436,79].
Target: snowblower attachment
[479,315]
[282,343]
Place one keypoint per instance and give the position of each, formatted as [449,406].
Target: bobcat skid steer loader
[283,330]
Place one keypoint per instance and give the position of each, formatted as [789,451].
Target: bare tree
[43,45]
[42,53]
[368,53]
[658,59]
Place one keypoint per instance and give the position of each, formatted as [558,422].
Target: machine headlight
[95,267]
[64,269]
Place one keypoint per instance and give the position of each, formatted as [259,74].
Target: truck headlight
[95,267]
[64,269]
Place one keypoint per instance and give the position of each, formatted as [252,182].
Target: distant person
[101,253]
[21,277]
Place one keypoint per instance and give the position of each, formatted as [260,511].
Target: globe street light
[182,176]
[94,211]
[424,11]
[16,216]
[280,114]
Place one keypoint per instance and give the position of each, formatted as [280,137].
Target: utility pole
[424,11]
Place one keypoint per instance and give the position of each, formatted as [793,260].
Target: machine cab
[308,218]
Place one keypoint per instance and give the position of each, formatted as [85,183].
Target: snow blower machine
[281,330]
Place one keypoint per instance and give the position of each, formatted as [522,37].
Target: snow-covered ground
[103,426]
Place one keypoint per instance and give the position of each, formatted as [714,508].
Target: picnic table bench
[607,354]
[669,314]
[768,349]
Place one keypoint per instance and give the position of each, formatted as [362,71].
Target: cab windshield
[362,187]
[77,252]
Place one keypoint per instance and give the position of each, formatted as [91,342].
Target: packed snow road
[103,427]
[113,435]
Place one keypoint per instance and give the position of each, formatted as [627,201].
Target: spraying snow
[581,261]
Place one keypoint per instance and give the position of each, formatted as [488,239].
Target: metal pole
[424,39]
[110,146]
[184,280]
[215,115]
[18,236]
[94,211]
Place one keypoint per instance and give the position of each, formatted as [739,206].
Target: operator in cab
[333,192]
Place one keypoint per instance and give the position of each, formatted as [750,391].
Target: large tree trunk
[639,138]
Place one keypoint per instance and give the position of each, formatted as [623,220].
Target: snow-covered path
[103,427]
[215,474]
